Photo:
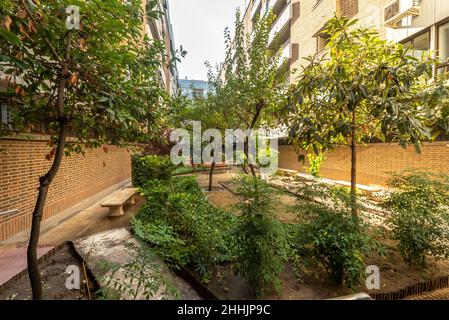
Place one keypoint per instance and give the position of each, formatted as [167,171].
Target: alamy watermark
[237,147]
[73,17]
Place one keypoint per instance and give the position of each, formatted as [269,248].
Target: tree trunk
[211,175]
[354,167]
[253,171]
[45,181]
[244,169]
[259,108]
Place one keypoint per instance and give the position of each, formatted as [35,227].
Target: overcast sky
[198,26]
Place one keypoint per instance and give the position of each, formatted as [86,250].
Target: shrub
[329,234]
[164,240]
[150,167]
[195,232]
[419,218]
[261,243]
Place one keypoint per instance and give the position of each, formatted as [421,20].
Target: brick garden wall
[22,162]
[374,161]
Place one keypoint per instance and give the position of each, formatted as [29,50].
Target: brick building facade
[22,162]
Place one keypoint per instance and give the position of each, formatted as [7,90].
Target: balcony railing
[397,10]
[283,19]
[286,54]
[256,9]
[271,4]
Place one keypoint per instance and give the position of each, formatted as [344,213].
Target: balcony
[256,9]
[286,54]
[275,5]
[282,21]
[398,10]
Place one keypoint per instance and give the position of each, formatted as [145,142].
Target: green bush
[195,232]
[329,234]
[146,168]
[261,244]
[419,218]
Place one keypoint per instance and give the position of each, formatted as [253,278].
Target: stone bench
[118,199]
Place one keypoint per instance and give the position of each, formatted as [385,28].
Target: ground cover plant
[183,227]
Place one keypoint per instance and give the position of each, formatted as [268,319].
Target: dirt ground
[54,277]
[395,273]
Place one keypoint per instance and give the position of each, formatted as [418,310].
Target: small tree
[251,83]
[96,83]
[363,88]
[261,241]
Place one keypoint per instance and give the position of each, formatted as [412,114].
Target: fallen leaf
[82,44]
[23,29]
[32,27]
[7,23]
[19,91]
[22,14]
[73,79]
[105,149]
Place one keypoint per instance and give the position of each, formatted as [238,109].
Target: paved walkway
[13,261]
[64,227]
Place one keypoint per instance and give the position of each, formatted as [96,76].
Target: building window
[348,8]
[322,40]
[197,93]
[443,48]
[5,116]
[419,44]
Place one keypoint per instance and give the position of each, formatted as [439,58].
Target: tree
[251,83]
[363,88]
[96,83]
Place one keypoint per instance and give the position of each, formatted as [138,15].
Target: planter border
[413,289]
[47,256]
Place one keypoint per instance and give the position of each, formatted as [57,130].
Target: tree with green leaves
[251,83]
[95,83]
[363,88]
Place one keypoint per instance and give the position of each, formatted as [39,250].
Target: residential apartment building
[161,30]
[193,88]
[420,24]
[299,23]
[81,180]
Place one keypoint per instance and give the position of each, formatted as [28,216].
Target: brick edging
[414,289]
[45,257]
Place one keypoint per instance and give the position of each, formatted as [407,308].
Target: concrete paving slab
[14,261]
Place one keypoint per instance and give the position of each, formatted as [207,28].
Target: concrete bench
[118,199]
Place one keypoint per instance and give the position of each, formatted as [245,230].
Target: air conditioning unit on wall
[397,10]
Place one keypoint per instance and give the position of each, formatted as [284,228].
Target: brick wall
[22,162]
[374,161]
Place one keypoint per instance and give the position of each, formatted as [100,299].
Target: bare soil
[53,278]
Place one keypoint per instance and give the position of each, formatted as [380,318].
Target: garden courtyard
[96,237]
[118,185]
